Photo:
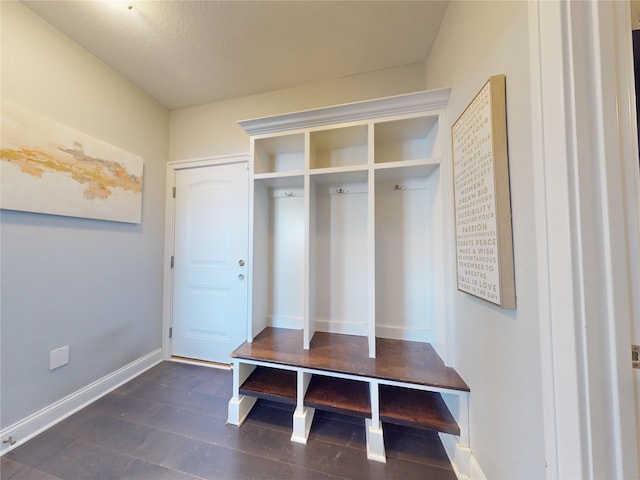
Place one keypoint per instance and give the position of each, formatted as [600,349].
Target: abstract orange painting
[46,167]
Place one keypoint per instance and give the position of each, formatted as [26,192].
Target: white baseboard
[38,422]
[475,472]
[281,321]
[346,328]
[403,333]
[464,464]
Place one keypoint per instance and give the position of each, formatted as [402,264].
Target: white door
[210,253]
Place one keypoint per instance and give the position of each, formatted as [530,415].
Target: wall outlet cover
[58,357]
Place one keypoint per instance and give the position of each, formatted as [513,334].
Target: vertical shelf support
[371,260]
[375,437]
[463,419]
[303,416]
[310,259]
[240,405]
[371,241]
[457,447]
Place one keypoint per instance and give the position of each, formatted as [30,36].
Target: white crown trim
[386,106]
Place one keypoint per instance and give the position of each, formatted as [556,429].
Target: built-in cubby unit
[347,280]
[346,226]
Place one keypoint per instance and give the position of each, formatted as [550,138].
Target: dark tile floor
[170,423]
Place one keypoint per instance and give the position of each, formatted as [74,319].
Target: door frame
[584,136]
[169,237]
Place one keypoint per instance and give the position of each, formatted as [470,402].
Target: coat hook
[290,194]
[399,186]
[341,190]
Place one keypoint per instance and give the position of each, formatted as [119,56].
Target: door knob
[241,263]
[241,277]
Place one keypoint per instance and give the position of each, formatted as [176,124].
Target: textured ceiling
[186,53]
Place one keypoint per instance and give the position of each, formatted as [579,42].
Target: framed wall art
[484,245]
[46,167]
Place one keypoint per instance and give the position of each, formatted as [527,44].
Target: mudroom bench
[406,384]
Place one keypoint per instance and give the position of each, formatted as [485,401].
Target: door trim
[584,255]
[169,236]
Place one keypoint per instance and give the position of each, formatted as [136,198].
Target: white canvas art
[46,167]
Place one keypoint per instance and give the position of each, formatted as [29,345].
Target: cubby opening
[406,214]
[339,209]
[339,147]
[410,139]
[284,153]
[278,253]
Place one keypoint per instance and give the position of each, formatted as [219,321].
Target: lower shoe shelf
[416,408]
[271,384]
[339,395]
[398,405]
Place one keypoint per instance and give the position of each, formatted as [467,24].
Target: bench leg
[240,405]
[303,416]
[302,419]
[239,408]
[375,441]
[375,437]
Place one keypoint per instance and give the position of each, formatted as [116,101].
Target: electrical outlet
[58,357]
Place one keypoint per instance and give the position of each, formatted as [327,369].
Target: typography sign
[484,245]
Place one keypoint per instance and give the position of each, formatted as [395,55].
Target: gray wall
[212,129]
[497,351]
[93,285]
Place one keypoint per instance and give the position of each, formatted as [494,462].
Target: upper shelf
[406,139]
[339,147]
[407,135]
[283,153]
